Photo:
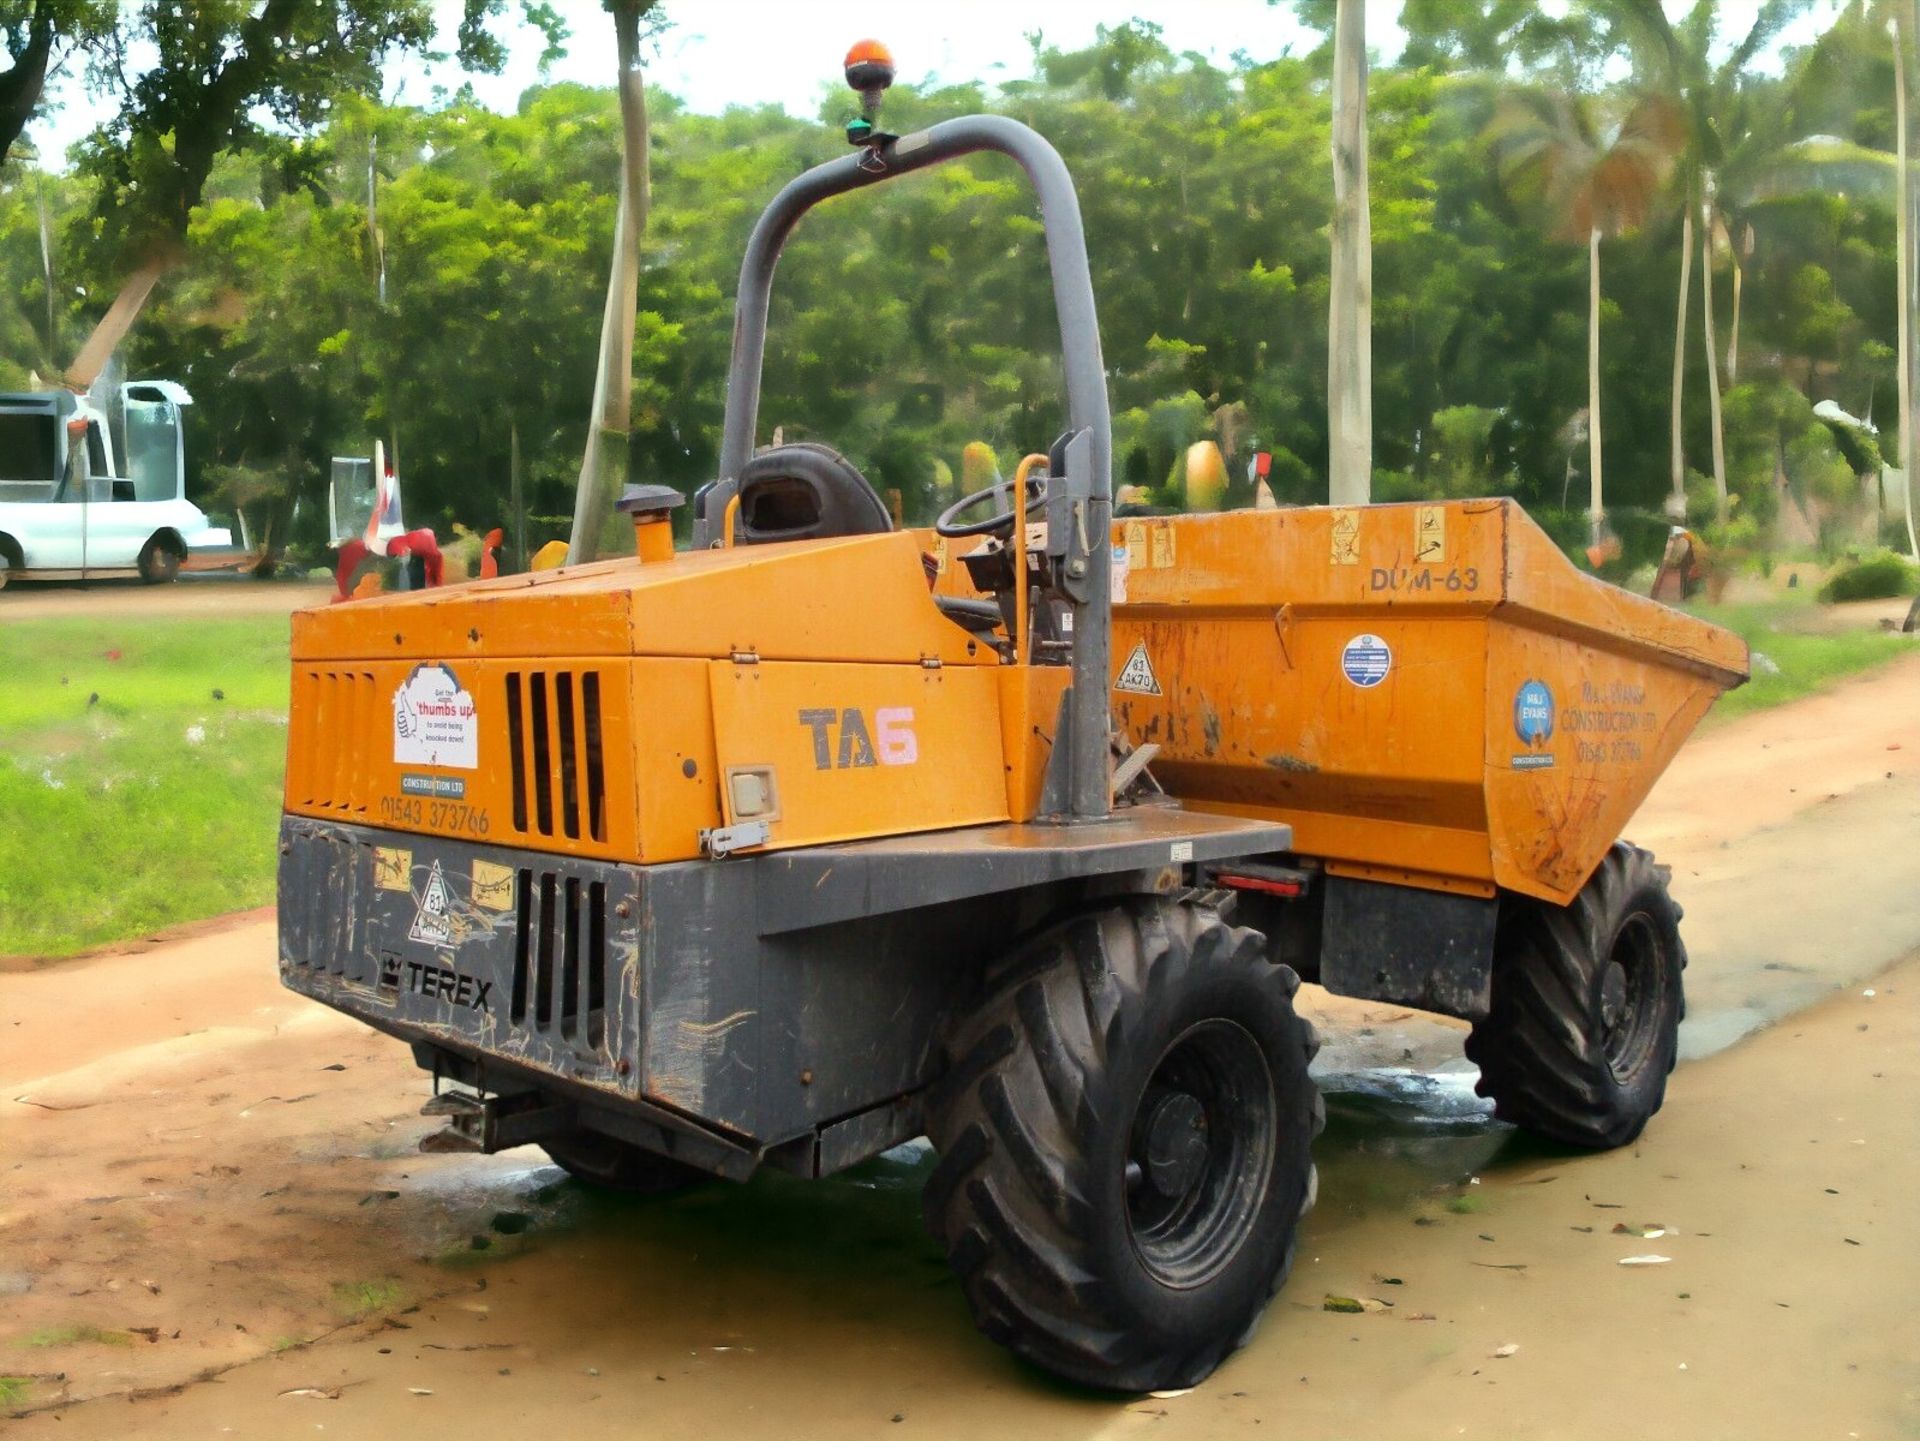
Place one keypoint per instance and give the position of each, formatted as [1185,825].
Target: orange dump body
[1429,694]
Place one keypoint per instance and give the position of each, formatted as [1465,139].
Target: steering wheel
[1000,523]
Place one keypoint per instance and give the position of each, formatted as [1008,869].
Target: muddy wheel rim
[1199,1153]
[1631,985]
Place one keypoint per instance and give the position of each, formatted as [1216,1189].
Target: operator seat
[805,491]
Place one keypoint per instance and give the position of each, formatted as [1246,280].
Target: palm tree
[1594,180]
[603,468]
[1723,142]
[1350,302]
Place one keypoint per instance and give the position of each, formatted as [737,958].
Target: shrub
[1874,577]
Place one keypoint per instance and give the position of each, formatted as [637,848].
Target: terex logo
[890,741]
[434,981]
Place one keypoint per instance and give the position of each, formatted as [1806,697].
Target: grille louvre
[343,708]
[556,762]
[560,958]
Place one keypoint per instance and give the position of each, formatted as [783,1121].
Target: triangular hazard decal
[1137,674]
[433,922]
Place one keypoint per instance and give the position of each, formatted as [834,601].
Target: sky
[724,52]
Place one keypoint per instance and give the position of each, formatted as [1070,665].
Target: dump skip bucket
[1430,694]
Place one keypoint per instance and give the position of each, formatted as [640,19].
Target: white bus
[69,512]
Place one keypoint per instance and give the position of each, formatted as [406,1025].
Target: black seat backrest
[805,491]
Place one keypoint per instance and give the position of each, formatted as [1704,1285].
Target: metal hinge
[725,840]
[930,662]
[746,657]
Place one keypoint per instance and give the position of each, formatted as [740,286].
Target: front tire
[1586,1006]
[159,562]
[613,1165]
[1125,1140]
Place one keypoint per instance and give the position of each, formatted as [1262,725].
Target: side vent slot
[567,744]
[522,948]
[596,770]
[556,754]
[541,761]
[516,758]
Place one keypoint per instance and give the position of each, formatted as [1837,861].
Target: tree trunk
[1350,307]
[603,469]
[1903,241]
[114,325]
[1677,460]
[1733,330]
[22,83]
[1596,510]
[1720,502]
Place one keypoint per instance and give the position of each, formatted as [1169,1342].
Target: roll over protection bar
[1088,483]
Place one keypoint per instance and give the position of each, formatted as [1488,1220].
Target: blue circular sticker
[1533,713]
[1366,661]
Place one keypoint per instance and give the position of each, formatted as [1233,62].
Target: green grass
[133,798]
[81,1333]
[13,1389]
[1808,661]
[356,1300]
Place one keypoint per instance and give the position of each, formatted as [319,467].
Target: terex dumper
[774,853]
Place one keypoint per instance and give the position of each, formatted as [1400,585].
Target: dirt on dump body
[211,1202]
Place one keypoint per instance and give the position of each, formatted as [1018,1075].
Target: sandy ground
[190,595]
[214,1220]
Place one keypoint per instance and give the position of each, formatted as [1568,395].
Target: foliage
[1804,662]
[913,319]
[1879,576]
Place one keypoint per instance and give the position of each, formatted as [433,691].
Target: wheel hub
[1176,1143]
[1201,1147]
[1613,995]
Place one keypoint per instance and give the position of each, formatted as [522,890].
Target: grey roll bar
[1085,717]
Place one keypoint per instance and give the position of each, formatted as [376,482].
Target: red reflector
[1290,889]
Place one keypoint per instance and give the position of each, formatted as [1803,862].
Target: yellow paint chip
[492,886]
[392,868]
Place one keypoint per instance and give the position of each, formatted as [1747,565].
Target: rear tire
[612,1165]
[159,562]
[1125,1137]
[1586,1006]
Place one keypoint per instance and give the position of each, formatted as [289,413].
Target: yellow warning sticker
[492,886]
[1162,546]
[1430,535]
[1136,534]
[940,556]
[392,868]
[1346,537]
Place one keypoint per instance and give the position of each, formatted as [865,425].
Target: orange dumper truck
[774,853]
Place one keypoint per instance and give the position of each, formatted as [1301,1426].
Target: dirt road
[211,1201]
[212,595]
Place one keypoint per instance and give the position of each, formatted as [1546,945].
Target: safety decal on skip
[1137,674]
[1430,535]
[1366,659]
[1346,538]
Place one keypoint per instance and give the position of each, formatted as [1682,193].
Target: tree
[603,468]
[1350,317]
[34,33]
[1721,138]
[218,68]
[1594,181]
